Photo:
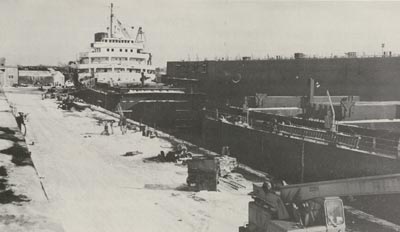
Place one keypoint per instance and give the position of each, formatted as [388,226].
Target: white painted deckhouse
[116,58]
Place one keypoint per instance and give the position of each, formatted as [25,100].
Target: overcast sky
[53,31]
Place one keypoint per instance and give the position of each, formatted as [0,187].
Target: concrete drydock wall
[281,156]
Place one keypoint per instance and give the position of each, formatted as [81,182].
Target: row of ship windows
[118,41]
[117,59]
[118,70]
[106,59]
[99,60]
[121,50]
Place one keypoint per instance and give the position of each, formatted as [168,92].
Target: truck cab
[334,212]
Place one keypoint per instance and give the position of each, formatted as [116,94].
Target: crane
[312,206]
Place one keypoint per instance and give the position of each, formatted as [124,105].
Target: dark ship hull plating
[375,78]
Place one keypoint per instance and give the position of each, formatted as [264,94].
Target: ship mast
[111,20]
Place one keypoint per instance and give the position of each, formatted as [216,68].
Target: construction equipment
[203,172]
[311,206]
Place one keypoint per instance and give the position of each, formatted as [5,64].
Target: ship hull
[374,78]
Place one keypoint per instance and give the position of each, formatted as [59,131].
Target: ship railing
[319,135]
[156,90]
[307,57]
[379,146]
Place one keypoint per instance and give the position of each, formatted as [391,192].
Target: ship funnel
[99,36]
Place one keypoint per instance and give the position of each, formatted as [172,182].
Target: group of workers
[66,102]
[108,126]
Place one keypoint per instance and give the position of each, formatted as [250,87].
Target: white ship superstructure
[117,59]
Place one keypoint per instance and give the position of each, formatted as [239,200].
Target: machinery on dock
[311,206]
[203,173]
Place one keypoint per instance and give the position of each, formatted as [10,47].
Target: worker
[312,213]
[142,79]
[20,120]
[267,186]
[274,201]
[123,124]
[275,125]
[111,126]
[105,132]
[161,156]
[171,156]
[296,214]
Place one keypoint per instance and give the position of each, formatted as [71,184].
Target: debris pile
[234,181]
[226,165]
[132,153]
[179,155]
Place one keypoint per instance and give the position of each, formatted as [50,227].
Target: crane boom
[316,206]
[371,185]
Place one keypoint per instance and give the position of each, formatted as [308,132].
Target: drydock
[85,181]
[110,143]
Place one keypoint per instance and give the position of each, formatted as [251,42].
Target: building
[58,77]
[35,77]
[8,74]
[40,75]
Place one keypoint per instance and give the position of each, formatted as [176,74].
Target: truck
[314,207]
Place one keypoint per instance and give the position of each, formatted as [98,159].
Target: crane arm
[371,185]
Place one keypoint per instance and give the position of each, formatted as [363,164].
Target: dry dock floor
[92,187]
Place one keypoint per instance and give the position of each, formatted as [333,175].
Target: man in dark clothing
[111,126]
[273,199]
[142,79]
[20,120]
[105,132]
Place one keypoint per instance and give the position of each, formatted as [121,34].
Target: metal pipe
[333,111]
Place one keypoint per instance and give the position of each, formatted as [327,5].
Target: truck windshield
[334,212]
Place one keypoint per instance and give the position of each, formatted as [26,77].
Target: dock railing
[384,147]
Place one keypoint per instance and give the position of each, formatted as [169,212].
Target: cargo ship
[117,74]
[115,58]
[229,81]
[289,151]
[284,130]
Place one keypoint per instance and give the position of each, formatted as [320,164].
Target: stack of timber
[226,164]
